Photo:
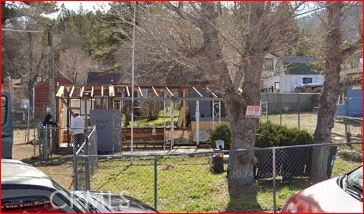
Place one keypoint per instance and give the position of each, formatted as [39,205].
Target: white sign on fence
[253,111]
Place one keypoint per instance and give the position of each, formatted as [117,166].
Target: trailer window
[306,80]
[4,109]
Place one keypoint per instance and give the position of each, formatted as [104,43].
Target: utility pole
[132,81]
[52,98]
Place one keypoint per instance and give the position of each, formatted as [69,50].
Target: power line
[25,31]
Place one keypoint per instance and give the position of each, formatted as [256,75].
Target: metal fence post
[46,144]
[298,111]
[280,108]
[155,181]
[87,165]
[75,169]
[267,106]
[347,115]
[274,177]
[34,142]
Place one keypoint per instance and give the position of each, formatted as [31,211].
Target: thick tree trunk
[330,93]
[244,129]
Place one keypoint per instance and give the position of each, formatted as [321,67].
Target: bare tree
[224,43]
[24,51]
[334,55]
[25,57]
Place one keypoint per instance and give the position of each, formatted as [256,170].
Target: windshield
[354,182]
[356,178]
[75,202]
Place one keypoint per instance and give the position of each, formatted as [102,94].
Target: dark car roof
[14,172]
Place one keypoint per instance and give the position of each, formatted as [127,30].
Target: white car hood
[331,198]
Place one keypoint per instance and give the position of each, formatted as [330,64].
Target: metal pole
[132,79]
[197,115]
[52,96]
[25,133]
[87,165]
[28,119]
[274,177]
[155,182]
[172,124]
[164,124]
[213,114]
[346,118]
[280,108]
[298,111]
[75,169]
[34,141]
[267,106]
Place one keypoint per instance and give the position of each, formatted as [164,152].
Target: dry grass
[308,122]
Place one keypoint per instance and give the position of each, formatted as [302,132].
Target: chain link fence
[48,140]
[298,110]
[194,182]
[85,159]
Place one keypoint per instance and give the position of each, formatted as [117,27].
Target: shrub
[221,133]
[268,135]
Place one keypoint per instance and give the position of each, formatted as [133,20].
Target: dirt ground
[59,168]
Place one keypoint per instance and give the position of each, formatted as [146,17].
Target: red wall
[41,95]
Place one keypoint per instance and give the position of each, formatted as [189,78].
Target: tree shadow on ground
[244,199]
[55,161]
[351,122]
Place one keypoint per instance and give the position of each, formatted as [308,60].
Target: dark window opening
[307,80]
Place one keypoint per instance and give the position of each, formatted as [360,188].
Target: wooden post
[68,124]
[219,112]
[52,100]
[186,106]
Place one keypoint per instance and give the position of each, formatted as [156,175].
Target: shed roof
[58,76]
[94,78]
[300,69]
[297,59]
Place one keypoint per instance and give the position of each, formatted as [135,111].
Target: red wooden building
[41,95]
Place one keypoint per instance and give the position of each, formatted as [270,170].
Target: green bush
[268,135]
[221,133]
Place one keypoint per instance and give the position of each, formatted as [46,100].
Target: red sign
[253,111]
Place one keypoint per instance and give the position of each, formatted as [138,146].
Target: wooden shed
[41,95]
[83,99]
